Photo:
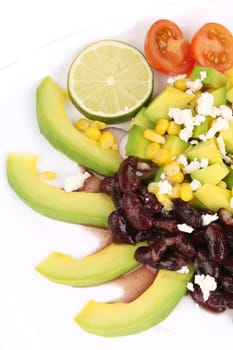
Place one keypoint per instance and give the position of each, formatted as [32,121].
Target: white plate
[38,314]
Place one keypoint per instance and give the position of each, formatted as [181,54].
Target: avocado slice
[100,267]
[169,97]
[142,120]
[76,207]
[220,96]
[55,125]
[137,143]
[214,197]
[150,308]
[212,174]
[174,145]
[227,136]
[214,79]
[205,149]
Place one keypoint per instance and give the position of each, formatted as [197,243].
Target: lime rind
[110,81]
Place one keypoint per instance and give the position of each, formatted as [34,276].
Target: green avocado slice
[150,308]
[55,125]
[100,267]
[76,207]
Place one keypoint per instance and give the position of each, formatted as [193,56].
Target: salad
[166,197]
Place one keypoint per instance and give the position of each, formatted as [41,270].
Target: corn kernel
[161,156]
[107,140]
[153,187]
[153,136]
[213,121]
[151,149]
[115,147]
[180,84]
[93,133]
[173,128]
[164,199]
[82,124]
[175,193]
[222,184]
[161,126]
[177,178]
[172,168]
[186,193]
[48,175]
[98,124]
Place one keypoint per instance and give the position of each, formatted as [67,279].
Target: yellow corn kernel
[115,147]
[82,124]
[153,187]
[93,133]
[153,136]
[172,168]
[177,178]
[161,156]
[151,149]
[222,184]
[161,126]
[164,199]
[98,124]
[175,193]
[48,175]
[180,84]
[107,140]
[173,128]
[186,193]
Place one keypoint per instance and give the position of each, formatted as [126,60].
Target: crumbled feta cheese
[189,92]
[221,145]
[74,182]
[194,85]
[198,119]
[219,125]
[195,185]
[193,142]
[185,228]
[231,202]
[181,116]
[207,284]
[226,112]
[164,187]
[185,134]
[205,103]
[208,218]
[190,286]
[171,80]
[163,176]
[192,166]
[183,269]
[182,159]
[203,75]
[204,162]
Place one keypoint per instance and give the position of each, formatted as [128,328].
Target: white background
[26,25]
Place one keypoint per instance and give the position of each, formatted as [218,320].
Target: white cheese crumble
[195,185]
[208,218]
[194,85]
[182,159]
[183,269]
[185,228]
[205,103]
[221,145]
[207,284]
[192,166]
[231,202]
[171,80]
[164,187]
[204,162]
[190,286]
[74,182]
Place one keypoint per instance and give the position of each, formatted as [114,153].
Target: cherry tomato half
[212,46]
[167,49]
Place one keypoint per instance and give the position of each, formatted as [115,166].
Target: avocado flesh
[214,197]
[76,207]
[137,143]
[150,308]
[207,149]
[212,174]
[102,266]
[55,125]
[214,79]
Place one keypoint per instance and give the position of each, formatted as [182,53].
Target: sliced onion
[122,146]
[147,170]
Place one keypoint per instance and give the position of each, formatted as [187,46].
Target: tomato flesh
[166,48]
[212,46]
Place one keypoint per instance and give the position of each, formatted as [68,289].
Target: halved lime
[110,81]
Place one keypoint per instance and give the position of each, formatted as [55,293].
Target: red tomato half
[212,46]
[167,49]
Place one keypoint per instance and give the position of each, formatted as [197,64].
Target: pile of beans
[139,216]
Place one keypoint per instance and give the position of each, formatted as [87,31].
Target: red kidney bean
[152,254]
[166,225]
[171,261]
[184,246]
[228,264]
[226,282]
[108,183]
[150,202]
[186,213]
[215,302]
[228,300]
[198,238]
[216,242]
[225,216]
[144,255]
[203,265]
[135,212]
[119,228]
[127,174]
